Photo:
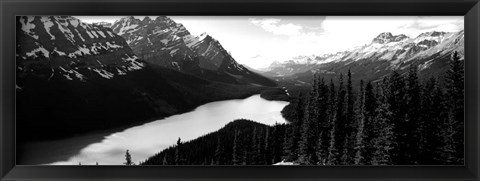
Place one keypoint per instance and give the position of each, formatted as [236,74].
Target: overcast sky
[257,41]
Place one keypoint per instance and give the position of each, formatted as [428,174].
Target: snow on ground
[285,163]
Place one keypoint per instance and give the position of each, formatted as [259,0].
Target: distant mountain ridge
[388,51]
[164,42]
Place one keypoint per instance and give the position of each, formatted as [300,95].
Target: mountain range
[429,51]
[74,77]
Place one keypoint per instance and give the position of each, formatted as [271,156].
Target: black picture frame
[470,9]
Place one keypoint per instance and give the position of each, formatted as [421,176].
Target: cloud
[438,23]
[274,26]
[259,40]
[338,33]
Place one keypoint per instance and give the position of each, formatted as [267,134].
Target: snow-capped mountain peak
[394,50]
[167,43]
[387,37]
[432,34]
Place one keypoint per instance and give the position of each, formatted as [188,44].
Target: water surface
[146,140]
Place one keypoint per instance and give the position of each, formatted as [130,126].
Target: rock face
[62,45]
[169,44]
[430,51]
[387,37]
[74,77]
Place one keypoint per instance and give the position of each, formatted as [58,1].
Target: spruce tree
[431,128]
[220,152]
[237,152]
[310,128]
[294,136]
[340,122]
[128,158]
[396,96]
[165,161]
[332,150]
[350,121]
[253,150]
[413,121]
[370,105]
[323,122]
[267,147]
[178,154]
[338,132]
[383,129]
[260,147]
[360,138]
[454,142]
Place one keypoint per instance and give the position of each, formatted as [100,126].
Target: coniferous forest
[398,120]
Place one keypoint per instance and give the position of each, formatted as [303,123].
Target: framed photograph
[257,90]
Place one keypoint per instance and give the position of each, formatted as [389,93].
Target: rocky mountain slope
[74,77]
[169,44]
[430,51]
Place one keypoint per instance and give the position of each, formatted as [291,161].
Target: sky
[257,41]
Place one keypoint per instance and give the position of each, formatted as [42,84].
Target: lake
[145,140]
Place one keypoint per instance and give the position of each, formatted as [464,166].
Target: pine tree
[396,96]
[370,105]
[350,122]
[277,143]
[292,148]
[360,138]
[260,148]
[431,128]
[220,152]
[332,149]
[237,152]
[454,142]
[267,148]
[165,162]
[253,150]
[310,128]
[178,154]
[128,159]
[324,124]
[332,152]
[340,122]
[383,129]
[413,121]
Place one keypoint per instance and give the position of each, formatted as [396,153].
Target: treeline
[399,120]
[242,142]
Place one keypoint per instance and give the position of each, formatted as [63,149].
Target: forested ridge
[241,142]
[398,120]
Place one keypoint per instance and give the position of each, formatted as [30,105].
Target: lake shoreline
[41,152]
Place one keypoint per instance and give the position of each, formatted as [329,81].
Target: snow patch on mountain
[27,26]
[395,49]
[47,23]
[61,42]
[40,49]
